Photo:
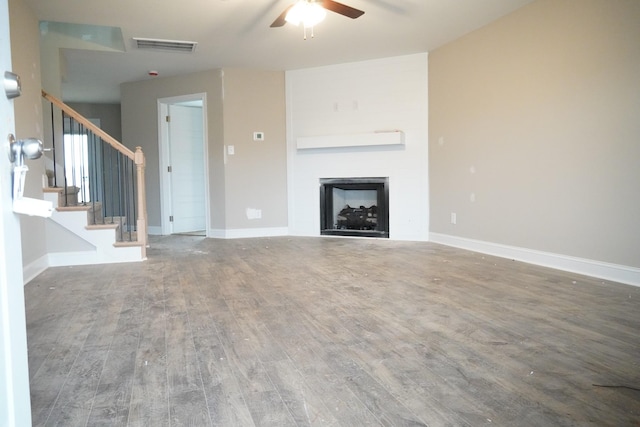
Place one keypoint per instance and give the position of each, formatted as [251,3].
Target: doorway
[183,165]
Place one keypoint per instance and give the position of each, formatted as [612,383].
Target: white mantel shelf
[390,137]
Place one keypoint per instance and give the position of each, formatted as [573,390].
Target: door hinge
[168,168]
[167,118]
[171,218]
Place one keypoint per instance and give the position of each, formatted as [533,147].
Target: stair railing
[94,170]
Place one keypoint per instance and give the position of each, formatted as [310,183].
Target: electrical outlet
[254,213]
[454,218]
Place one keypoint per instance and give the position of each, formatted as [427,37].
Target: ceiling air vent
[174,45]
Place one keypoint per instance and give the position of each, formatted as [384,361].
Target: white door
[15,407]
[187,176]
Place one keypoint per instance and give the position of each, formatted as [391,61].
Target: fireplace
[354,207]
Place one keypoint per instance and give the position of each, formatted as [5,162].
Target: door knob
[31,148]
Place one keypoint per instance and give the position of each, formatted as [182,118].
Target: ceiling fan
[331,5]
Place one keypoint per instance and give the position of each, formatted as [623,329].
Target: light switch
[231,150]
[258,136]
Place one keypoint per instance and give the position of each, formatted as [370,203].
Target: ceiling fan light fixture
[306,12]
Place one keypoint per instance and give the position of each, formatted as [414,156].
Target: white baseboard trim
[118,255]
[34,268]
[57,259]
[244,233]
[587,267]
[64,259]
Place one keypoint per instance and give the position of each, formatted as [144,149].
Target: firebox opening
[354,207]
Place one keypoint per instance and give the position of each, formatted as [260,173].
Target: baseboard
[599,269]
[34,268]
[244,233]
[63,259]
[57,259]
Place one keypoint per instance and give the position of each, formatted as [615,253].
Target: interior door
[186,146]
[15,407]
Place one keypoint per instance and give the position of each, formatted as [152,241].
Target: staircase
[97,191]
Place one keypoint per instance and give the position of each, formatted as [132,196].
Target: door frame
[15,403]
[164,156]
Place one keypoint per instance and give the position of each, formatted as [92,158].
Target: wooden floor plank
[304,404]
[307,331]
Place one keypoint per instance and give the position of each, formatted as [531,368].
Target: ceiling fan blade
[342,9]
[280,21]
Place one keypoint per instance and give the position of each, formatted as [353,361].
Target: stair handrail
[88,125]
[137,156]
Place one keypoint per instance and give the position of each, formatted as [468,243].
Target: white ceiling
[236,33]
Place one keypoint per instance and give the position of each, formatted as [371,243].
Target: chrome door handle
[31,148]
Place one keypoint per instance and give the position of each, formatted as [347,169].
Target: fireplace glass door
[354,207]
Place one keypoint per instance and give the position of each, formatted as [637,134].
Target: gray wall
[534,129]
[253,101]
[109,115]
[25,57]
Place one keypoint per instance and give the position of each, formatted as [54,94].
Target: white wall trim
[64,259]
[389,137]
[122,254]
[34,268]
[243,233]
[588,267]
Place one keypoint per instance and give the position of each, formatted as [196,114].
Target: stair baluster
[99,173]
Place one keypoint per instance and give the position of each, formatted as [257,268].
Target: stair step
[94,212]
[131,235]
[68,197]
[121,220]
[127,244]
[104,234]
[102,226]
[73,208]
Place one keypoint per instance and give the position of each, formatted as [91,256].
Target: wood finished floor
[320,331]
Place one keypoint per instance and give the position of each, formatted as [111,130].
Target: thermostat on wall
[258,136]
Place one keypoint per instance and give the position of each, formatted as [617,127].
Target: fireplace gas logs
[361,218]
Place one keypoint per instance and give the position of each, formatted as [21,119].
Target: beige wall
[254,177]
[534,129]
[25,57]
[139,107]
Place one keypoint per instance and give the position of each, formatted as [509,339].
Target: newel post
[142,201]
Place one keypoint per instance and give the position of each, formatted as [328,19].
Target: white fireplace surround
[361,119]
